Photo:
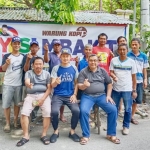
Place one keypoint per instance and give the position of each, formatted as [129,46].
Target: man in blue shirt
[53,58]
[142,64]
[64,82]
[84,61]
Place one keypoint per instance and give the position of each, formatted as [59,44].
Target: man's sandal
[134,121]
[22,142]
[115,140]
[84,141]
[63,119]
[45,140]
[17,126]
[7,128]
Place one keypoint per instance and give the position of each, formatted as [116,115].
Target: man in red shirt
[105,54]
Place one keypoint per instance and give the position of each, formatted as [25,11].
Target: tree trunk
[100,5]
[111,7]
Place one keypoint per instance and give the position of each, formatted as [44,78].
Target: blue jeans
[139,89]
[87,103]
[127,100]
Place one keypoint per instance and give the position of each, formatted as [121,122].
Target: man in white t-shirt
[12,87]
[123,71]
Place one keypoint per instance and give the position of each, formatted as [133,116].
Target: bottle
[35,103]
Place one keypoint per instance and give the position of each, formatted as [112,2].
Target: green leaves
[59,10]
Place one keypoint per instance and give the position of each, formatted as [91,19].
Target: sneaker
[125,131]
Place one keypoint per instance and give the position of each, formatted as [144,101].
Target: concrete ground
[138,138]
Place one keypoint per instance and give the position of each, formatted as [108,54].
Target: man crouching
[37,82]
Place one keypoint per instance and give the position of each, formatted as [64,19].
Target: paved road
[138,139]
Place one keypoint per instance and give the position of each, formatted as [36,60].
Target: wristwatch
[134,91]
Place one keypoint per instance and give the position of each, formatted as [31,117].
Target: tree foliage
[111,5]
[17,3]
[62,10]
[59,10]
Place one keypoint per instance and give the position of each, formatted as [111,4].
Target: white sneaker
[125,131]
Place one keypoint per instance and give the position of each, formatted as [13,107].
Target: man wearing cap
[64,81]
[12,87]
[28,59]
[53,58]
[27,63]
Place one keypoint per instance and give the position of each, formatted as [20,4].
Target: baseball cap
[56,42]
[16,39]
[34,42]
[66,51]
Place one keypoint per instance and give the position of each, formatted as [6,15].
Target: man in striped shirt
[142,64]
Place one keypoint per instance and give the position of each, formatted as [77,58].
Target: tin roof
[92,17]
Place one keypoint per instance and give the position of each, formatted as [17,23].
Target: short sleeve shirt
[54,60]
[141,62]
[30,67]
[97,80]
[105,55]
[68,76]
[82,64]
[123,71]
[31,61]
[13,74]
[39,81]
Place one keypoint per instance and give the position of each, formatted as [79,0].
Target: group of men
[102,80]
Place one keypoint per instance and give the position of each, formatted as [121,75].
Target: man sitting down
[37,82]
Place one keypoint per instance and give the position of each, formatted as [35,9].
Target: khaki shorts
[11,93]
[28,107]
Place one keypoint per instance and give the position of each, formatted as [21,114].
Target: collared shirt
[141,62]
[82,64]
[39,81]
[97,80]
[54,60]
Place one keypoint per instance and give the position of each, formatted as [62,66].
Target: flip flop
[84,141]
[22,142]
[114,140]
[134,121]
[45,140]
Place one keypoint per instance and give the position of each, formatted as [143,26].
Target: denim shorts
[139,89]
[11,93]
